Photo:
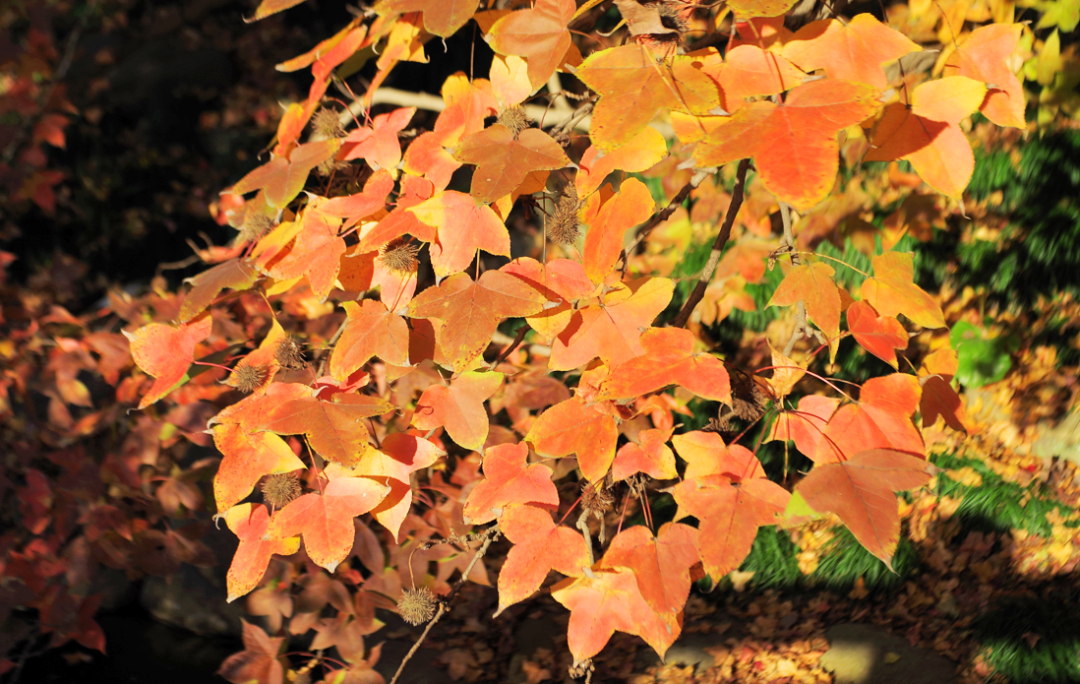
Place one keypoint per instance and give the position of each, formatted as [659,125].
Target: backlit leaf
[459,408]
[539,547]
[503,159]
[250,522]
[509,480]
[246,458]
[165,353]
[669,359]
[573,427]
[538,34]
[892,291]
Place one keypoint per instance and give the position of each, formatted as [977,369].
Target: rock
[867,654]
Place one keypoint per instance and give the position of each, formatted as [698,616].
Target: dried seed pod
[248,377]
[400,255]
[417,606]
[514,118]
[281,488]
[563,227]
[290,353]
[596,498]
[327,124]
[255,226]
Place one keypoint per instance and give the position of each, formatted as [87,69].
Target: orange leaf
[539,547]
[538,34]
[860,492]
[806,426]
[611,327]
[574,427]
[462,227]
[326,519]
[472,311]
[748,71]
[315,254]
[392,464]
[379,145]
[427,156]
[641,152]
[441,17]
[855,51]
[164,353]
[794,144]
[363,204]
[813,285]
[559,280]
[881,419]
[730,514]
[459,408]
[249,522]
[706,454]
[400,221]
[503,159]
[632,205]
[652,457]
[669,359]
[370,330]
[246,458]
[983,57]
[661,564]
[268,7]
[879,335]
[509,480]
[282,178]
[892,291]
[234,274]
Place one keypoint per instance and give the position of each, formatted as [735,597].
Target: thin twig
[664,214]
[718,247]
[518,339]
[800,306]
[491,534]
[330,347]
[583,525]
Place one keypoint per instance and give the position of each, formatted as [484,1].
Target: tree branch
[717,249]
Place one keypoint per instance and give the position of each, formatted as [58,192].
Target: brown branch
[518,339]
[490,535]
[717,248]
[330,348]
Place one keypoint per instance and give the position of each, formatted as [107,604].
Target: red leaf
[504,159]
[538,34]
[326,519]
[370,330]
[249,522]
[855,51]
[459,408]
[574,427]
[669,359]
[860,492]
[509,480]
[165,353]
[246,458]
[879,335]
[539,547]
[661,564]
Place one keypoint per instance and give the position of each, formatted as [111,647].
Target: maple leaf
[441,17]
[641,152]
[378,145]
[860,491]
[611,327]
[165,353]
[813,285]
[370,330]
[879,335]
[650,456]
[940,400]
[730,514]
[538,34]
[503,159]
[246,458]
[509,480]
[316,253]
[669,359]
[559,280]
[261,364]
[574,427]
[881,419]
[706,454]
[234,274]
[661,564]
[427,155]
[282,178]
[927,133]
[806,426]
[854,51]
[400,221]
[539,547]
[459,408]
[471,311]
[748,9]
[249,522]
[983,57]
[335,429]
[748,71]
[462,227]
[392,464]
[632,205]
[363,204]
[892,291]
[793,144]
[608,601]
[258,662]
[325,519]
[634,84]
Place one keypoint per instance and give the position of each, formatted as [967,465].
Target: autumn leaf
[325,519]
[471,311]
[250,522]
[611,326]
[853,51]
[879,335]
[609,601]
[503,159]
[669,359]
[632,205]
[748,71]
[462,227]
[234,274]
[860,491]
[441,17]
[573,427]
[806,426]
[813,285]
[315,254]
[650,455]
[427,155]
[641,152]
[392,464]
[747,9]
[378,145]
[927,133]
[892,291]
[940,400]
[256,371]
[459,408]
[400,221]
[370,330]
[730,514]
[661,564]
[246,458]
[793,144]
[561,281]
[258,662]
[706,454]
[361,205]
[509,480]
[983,56]
[538,34]
[881,419]
[539,547]
[282,178]
[165,353]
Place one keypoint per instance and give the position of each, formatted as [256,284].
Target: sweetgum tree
[441,336]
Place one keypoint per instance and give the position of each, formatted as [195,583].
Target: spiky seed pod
[249,377]
[563,227]
[290,353]
[400,255]
[747,398]
[281,488]
[596,498]
[327,124]
[417,606]
[514,118]
[255,226]
[673,17]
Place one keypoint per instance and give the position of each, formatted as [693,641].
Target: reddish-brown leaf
[509,480]
[258,662]
[250,522]
[539,547]
[940,400]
